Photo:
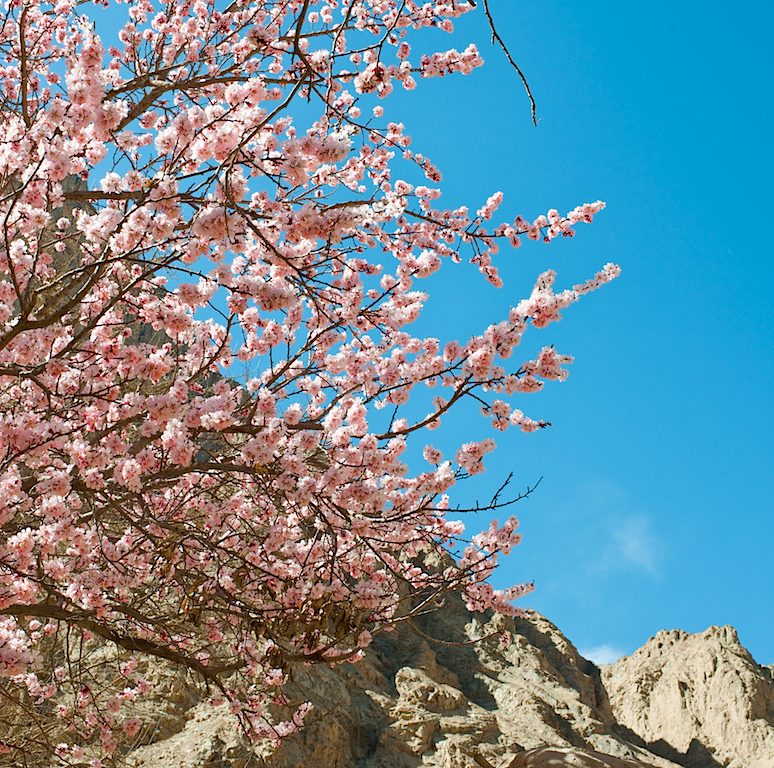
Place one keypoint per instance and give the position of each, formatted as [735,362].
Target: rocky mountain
[703,695]
[459,690]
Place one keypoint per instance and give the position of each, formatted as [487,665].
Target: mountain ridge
[462,690]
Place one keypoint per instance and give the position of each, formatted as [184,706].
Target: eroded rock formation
[702,694]
[457,690]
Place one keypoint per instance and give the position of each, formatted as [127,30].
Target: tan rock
[458,690]
[702,696]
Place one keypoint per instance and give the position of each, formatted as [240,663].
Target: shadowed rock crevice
[697,755]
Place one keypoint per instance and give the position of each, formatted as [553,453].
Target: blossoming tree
[216,192]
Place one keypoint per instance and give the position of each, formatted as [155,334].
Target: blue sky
[655,506]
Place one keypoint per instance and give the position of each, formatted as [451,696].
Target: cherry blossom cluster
[208,372]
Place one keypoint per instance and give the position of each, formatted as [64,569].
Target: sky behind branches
[654,509]
[655,506]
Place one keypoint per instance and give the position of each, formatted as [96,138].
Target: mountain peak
[462,690]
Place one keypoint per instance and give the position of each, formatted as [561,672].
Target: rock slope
[702,695]
[456,690]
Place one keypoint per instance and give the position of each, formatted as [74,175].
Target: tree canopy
[212,256]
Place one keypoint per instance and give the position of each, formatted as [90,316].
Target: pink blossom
[217,364]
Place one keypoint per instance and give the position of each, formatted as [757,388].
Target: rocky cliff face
[456,690]
[703,695]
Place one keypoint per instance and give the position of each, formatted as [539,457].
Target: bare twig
[496,37]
